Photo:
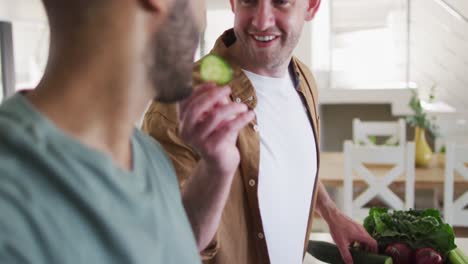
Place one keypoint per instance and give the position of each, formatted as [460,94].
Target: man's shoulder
[160,114]
[16,191]
[18,176]
[20,240]
[146,142]
[151,148]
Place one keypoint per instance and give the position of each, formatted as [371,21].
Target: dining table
[461,242]
[332,173]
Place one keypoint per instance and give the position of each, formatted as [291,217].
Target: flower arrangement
[422,123]
[420,118]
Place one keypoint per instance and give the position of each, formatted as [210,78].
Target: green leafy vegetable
[418,229]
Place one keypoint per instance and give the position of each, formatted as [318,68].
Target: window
[362,44]
[31,47]
[2,89]
[218,21]
[7,75]
[27,48]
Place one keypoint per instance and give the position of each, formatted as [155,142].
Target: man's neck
[98,108]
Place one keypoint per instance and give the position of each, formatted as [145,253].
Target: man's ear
[312,9]
[159,6]
[232,4]
[156,11]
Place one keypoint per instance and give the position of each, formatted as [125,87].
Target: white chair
[394,130]
[455,159]
[356,157]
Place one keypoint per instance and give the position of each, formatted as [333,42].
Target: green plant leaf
[416,228]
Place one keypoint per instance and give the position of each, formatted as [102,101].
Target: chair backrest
[358,157]
[364,130]
[456,160]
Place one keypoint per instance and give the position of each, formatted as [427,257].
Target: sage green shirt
[62,202]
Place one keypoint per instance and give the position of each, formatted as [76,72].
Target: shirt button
[260,235]
[252,182]
[256,128]
[238,100]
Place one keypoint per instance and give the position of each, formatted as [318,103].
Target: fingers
[218,117]
[232,128]
[371,244]
[210,122]
[343,247]
[201,102]
[366,240]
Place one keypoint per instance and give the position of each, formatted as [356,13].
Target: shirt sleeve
[161,123]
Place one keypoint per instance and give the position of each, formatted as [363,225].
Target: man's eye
[281,2]
[247,2]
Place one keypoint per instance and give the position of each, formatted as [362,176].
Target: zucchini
[456,256]
[461,254]
[329,253]
[215,69]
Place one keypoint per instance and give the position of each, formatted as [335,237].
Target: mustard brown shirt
[240,236]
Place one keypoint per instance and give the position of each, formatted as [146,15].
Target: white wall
[30,38]
[22,10]
[439,52]
[460,5]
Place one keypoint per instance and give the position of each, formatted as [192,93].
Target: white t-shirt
[288,166]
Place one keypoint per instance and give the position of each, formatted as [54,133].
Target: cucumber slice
[329,253]
[215,69]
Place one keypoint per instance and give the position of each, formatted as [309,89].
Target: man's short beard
[174,46]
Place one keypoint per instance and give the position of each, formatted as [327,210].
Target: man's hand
[345,232]
[210,124]
[343,229]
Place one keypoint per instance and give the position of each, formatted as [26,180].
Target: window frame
[7,59]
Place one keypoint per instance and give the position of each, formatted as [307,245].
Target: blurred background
[367,55]
[371,58]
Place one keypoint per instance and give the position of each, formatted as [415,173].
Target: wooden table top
[332,173]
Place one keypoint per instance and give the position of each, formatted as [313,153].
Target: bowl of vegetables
[414,236]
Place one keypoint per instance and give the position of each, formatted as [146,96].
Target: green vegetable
[418,229]
[461,255]
[215,69]
[456,256]
[329,253]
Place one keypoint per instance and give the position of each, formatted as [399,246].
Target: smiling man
[78,182]
[276,190]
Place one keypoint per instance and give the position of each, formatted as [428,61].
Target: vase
[423,150]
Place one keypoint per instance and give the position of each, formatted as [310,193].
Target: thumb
[345,254]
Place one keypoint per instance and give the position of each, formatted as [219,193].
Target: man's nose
[263,16]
